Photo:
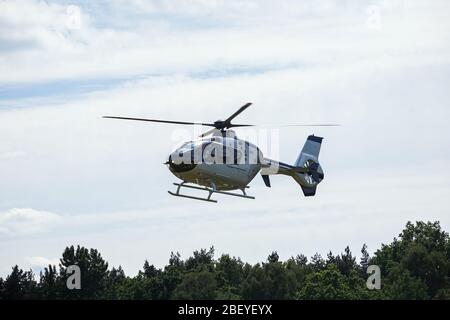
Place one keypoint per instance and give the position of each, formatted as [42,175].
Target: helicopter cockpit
[214,150]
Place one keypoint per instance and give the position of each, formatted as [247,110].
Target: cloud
[26,221]
[41,262]
[45,26]
[10,155]
[267,36]
[38,264]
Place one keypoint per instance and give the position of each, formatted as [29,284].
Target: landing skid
[210,191]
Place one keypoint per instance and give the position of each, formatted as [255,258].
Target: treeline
[416,265]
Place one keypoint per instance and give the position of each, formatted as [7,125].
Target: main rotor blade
[234,115]
[161,121]
[207,133]
[241,125]
[314,125]
[299,125]
[287,125]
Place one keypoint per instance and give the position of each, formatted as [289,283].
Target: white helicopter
[223,162]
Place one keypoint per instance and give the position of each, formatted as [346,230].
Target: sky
[67,177]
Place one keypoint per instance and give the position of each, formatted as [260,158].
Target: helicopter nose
[169,160]
[179,166]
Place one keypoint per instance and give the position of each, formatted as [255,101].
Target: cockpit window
[193,144]
[187,145]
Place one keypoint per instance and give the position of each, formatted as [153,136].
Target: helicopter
[218,162]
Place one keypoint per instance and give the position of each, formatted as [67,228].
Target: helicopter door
[237,157]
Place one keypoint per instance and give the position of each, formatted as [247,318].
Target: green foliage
[364,262]
[93,272]
[317,262]
[49,285]
[402,285]
[229,274]
[328,283]
[19,285]
[271,280]
[200,285]
[416,265]
[201,260]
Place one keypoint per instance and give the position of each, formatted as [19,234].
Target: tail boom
[306,171]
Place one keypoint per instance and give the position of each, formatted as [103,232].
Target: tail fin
[309,158]
[310,151]
[307,171]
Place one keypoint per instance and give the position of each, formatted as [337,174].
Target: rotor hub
[220,124]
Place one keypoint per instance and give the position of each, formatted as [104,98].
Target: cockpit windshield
[194,144]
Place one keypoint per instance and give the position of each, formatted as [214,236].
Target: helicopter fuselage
[221,163]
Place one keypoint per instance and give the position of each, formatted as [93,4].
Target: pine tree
[364,263]
[93,272]
[49,286]
[331,259]
[317,262]
[273,257]
[301,260]
[19,285]
[346,262]
[150,271]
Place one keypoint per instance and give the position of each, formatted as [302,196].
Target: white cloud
[10,155]
[26,221]
[38,25]
[273,36]
[41,262]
